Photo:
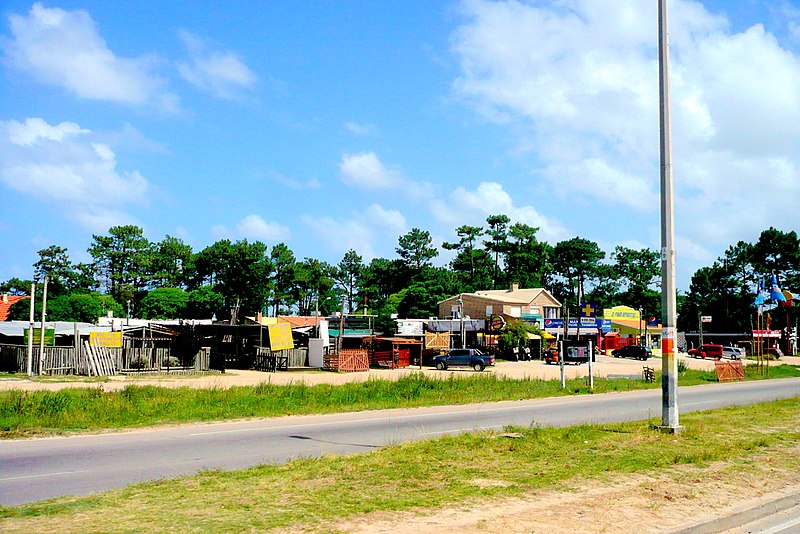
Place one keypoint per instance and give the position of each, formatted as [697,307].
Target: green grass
[313,494]
[30,413]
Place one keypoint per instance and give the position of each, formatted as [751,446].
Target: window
[516,311]
[488,310]
[454,311]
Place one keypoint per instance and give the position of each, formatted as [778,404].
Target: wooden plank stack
[100,360]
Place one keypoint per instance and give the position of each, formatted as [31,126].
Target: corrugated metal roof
[62,328]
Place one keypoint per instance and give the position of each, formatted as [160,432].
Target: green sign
[49,336]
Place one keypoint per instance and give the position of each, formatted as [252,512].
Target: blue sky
[332,125]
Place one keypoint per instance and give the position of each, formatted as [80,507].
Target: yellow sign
[621,312]
[105,339]
[280,336]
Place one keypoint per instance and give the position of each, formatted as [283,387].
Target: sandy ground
[680,498]
[604,366]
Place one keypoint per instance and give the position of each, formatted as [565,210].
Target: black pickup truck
[463,358]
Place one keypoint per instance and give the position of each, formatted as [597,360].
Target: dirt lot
[681,498]
[604,366]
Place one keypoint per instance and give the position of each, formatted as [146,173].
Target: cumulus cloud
[579,80]
[339,235]
[223,74]
[254,228]
[370,233]
[64,164]
[490,198]
[392,221]
[65,49]
[366,170]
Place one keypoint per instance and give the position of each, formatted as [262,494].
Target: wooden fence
[63,360]
[57,360]
[282,360]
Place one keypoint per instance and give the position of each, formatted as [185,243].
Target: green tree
[527,259]
[416,250]
[54,263]
[498,242]
[348,275]
[577,261]
[639,272]
[80,307]
[172,263]
[380,279]
[164,303]
[204,303]
[123,259]
[240,272]
[16,286]
[284,265]
[313,280]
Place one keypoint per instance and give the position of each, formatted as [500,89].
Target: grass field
[314,494]
[31,413]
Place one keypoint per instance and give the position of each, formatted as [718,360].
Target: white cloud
[254,228]
[579,79]
[361,130]
[64,164]
[366,170]
[390,220]
[489,198]
[65,49]
[223,74]
[341,235]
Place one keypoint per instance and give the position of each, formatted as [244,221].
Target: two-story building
[532,305]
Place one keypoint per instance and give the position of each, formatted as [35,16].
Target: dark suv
[463,358]
[633,351]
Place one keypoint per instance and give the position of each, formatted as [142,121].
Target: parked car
[463,358]
[733,353]
[637,352]
[708,350]
[776,352]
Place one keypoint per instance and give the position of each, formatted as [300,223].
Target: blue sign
[586,322]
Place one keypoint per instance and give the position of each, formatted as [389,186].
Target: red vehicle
[708,350]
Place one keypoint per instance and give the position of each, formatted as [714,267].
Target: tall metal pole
[44,318]
[669,360]
[31,325]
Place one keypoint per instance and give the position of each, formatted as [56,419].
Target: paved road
[38,469]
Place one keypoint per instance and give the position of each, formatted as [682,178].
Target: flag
[775,293]
[761,295]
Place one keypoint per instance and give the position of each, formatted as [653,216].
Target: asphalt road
[37,469]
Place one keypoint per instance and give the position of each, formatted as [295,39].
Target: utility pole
[30,332]
[669,361]
[44,318]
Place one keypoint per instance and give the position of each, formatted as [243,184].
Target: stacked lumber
[101,361]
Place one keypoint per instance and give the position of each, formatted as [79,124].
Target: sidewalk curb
[743,517]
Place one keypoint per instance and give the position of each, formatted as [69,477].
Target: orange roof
[297,321]
[6,302]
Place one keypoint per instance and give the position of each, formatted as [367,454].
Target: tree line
[132,276]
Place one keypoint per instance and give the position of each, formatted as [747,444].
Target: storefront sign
[105,339]
[49,336]
[280,336]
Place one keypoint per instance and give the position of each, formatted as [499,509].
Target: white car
[734,353]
